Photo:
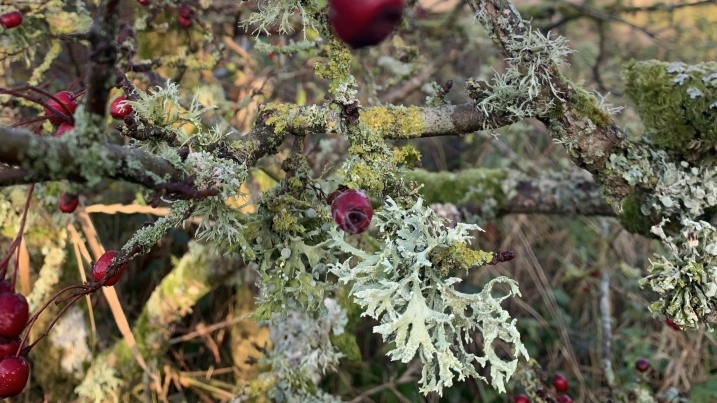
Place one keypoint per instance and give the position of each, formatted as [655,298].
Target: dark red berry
[69,202]
[185,11]
[11,19]
[67,107]
[564,399]
[98,272]
[119,109]
[364,23]
[184,22]
[595,273]
[521,399]
[560,383]
[8,346]
[5,286]
[352,211]
[63,128]
[672,324]
[642,365]
[14,373]
[13,314]
[143,2]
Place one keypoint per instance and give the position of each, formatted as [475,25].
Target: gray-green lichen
[420,310]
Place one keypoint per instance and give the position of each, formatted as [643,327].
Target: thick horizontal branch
[484,191]
[49,159]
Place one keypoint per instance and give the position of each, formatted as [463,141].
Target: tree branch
[50,159]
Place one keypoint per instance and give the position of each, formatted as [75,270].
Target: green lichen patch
[397,121]
[470,185]
[587,105]
[336,70]
[677,104]
[459,257]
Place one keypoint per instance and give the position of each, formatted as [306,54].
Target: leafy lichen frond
[421,312]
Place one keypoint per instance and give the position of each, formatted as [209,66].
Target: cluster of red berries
[60,112]
[351,210]
[14,369]
[364,23]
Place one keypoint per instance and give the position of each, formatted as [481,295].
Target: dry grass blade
[23,267]
[126,209]
[76,242]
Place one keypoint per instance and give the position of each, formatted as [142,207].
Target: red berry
[364,23]
[120,111]
[66,107]
[63,128]
[521,399]
[564,399]
[8,346]
[11,19]
[143,2]
[5,286]
[185,11]
[595,273]
[69,202]
[672,324]
[185,22]
[642,365]
[14,373]
[13,314]
[98,272]
[352,211]
[560,383]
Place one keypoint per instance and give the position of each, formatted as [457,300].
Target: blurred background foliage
[559,259]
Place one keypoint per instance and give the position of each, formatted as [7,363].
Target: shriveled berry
[11,19]
[560,383]
[642,365]
[352,211]
[6,286]
[184,22]
[564,399]
[8,346]
[13,314]
[521,399]
[672,324]
[119,108]
[69,202]
[364,23]
[63,128]
[14,373]
[66,107]
[104,262]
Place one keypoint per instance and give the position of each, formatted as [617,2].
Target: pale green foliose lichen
[685,279]
[419,310]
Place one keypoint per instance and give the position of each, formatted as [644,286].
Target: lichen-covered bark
[498,192]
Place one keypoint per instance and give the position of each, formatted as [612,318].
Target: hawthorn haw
[8,346]
[143,2]
[185,11]
[14,312]
[11,19]
[564,399]
[66,107]
[119,109]
[364,23]
[69,202]
[560,383]
[63,128]
[672,324]
[14,373]
[100,268]
[184,22]
[642,365]
[521,399]
[352,211]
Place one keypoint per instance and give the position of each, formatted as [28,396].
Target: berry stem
[49,327]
